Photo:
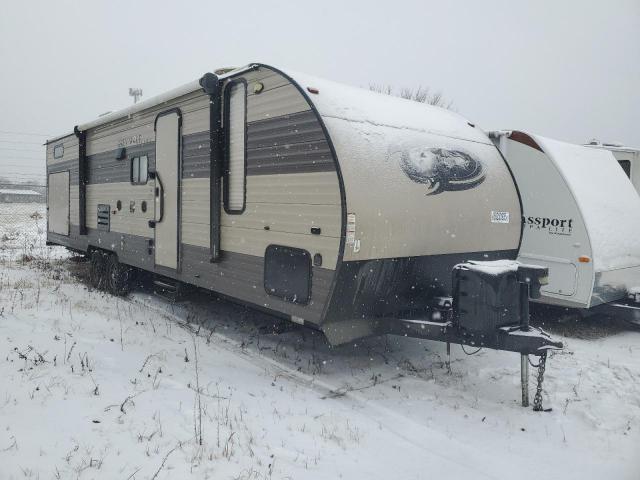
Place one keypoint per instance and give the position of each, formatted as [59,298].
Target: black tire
[97,270]
[119,277]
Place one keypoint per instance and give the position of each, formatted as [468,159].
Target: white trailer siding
[628,156]
[578,204]
[554,235]
[394,215]
[633,157]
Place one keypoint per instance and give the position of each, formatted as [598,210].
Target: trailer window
[139,170]
[236,134]
[58,151]
[626,166]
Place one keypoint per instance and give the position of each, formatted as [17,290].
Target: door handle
[158,194]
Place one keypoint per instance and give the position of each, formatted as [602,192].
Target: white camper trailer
[627,157]
[581,219]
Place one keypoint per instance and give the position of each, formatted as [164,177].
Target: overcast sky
[565,69]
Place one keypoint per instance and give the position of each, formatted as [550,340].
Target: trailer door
[167,191]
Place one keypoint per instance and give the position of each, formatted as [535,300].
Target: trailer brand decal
[133,140]
[442,170]
[555,226]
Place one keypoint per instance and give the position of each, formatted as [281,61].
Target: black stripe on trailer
[82,179]
[212,86]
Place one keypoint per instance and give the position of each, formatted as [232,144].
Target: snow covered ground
[93,386]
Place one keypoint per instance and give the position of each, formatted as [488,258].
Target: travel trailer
[627,157]
[349,211]
[581,219]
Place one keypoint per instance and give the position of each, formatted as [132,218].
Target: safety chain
[537,400]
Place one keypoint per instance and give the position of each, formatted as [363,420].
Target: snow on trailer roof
[9,191]
[614,147]
[608,202]
[335,100]
[367,108]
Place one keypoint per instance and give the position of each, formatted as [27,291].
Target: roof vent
[222,71]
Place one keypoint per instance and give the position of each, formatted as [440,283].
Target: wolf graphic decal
[441,169]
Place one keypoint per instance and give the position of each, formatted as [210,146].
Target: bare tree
[420,94]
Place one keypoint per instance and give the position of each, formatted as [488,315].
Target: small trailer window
[626,166]
[58,151]
[139,170]
[236,131]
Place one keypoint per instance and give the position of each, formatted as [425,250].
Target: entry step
[167,288]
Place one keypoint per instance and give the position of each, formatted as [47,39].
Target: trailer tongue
[489,309]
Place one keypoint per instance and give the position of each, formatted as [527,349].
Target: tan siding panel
[288,218]
[124,221]
[196,190]
[195,234]
[107,142]
[186,103]
[268,78]
[317,188]
[132,225]
[195,121]
[195,212]
[254,242]
[296,216]
[70,144]
[274,103]
[194,108]
[74,207]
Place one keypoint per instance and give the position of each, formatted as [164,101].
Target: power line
[34,174]
[27,133]
[11,156]
[26,150]
[20,142]
[22,158]
[37,161]
[12,144]
[22,173]
[3,184]
[21,166]
[25,175]
[20,149]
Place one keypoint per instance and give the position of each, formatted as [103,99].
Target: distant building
[20,196]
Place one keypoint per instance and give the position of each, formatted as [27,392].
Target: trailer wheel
[119,277]
[97,270]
